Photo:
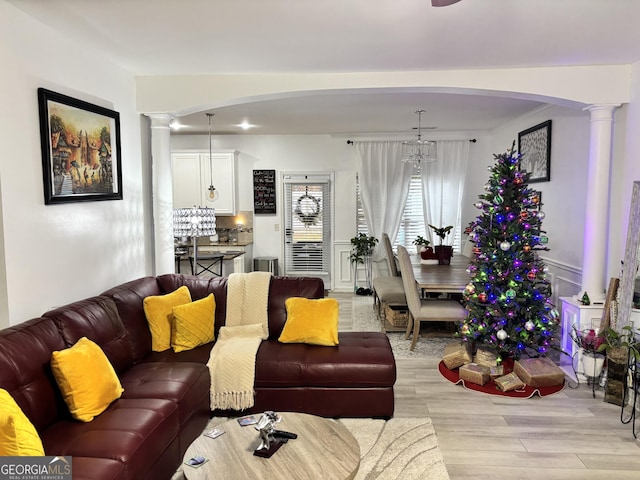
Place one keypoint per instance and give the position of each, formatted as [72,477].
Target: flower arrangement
[588,340]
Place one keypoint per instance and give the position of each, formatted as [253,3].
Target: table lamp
[194,222]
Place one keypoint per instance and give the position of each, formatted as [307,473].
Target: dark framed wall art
[80,145]
[535,146]
[264,192]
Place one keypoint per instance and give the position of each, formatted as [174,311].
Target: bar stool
[206,262]
[179,253]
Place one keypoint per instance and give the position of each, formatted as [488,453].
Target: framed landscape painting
[535,146]
[80,145]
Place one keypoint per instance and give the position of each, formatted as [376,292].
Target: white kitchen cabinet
[186,178]
[192,177]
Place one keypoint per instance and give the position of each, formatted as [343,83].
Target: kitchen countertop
[224,244]
[227,255]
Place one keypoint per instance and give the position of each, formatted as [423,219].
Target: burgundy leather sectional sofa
[165,404]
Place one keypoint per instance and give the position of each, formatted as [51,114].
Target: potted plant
[589,342]
[421,244]
[618,346]
[444,252]
[362,246]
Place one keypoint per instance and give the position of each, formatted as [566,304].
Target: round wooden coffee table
[324,449]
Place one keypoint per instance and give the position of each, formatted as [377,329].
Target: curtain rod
[472,140]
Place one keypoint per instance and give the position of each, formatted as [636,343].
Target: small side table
[582,317]
[631,394]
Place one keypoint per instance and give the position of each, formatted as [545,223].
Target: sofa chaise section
[127,441]
[185,384]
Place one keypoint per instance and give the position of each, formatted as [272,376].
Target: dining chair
[424,310]
[391,258]
[388,290]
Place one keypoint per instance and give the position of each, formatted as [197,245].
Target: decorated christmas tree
[507,298]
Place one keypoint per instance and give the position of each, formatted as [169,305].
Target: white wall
[56,254]
[626,170]
[564,196]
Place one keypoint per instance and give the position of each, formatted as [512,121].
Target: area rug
[365,319]
[399,448]
[490,387]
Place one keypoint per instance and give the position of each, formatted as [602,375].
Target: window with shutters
[412,222]
[308,218]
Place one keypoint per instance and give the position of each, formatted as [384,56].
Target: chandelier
[419,151]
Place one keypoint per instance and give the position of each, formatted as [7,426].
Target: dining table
[451,278]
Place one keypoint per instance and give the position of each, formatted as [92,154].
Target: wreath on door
[308,209]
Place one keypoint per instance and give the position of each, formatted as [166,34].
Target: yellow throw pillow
[193,324]
[18,436]
[311,321]
[86,379]
[159,312]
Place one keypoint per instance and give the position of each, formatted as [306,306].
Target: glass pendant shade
[213,194]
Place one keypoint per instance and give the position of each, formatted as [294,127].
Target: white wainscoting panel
[343,277]
[565,280]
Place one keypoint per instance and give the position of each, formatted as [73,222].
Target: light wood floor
[565,436]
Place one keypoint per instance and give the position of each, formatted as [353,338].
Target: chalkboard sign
[264,192]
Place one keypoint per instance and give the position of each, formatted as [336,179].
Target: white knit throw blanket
[233,357]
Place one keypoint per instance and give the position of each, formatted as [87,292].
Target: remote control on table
[283,434]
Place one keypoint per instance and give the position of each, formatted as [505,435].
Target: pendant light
[419,151]
[213,193]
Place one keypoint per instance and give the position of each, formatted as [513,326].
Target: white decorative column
[162,194]
[597,204]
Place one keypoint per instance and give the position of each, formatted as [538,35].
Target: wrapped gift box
[509,382]
[496,371]
[486,356]
[539,372]
[456,354]
[474,373]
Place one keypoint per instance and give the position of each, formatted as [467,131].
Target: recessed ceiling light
[245,125]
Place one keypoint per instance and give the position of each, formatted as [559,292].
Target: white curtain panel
[384,187]
[443,185]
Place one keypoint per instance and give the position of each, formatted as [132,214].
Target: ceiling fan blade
[443,3]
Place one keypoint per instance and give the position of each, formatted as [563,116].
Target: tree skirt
[490,386]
